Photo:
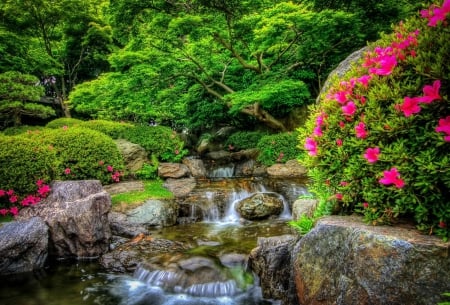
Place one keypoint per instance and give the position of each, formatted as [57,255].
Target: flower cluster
[436,14]
[11,203]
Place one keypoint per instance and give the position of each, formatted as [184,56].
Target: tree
[18,94]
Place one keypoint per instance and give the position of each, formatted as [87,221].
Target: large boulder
[133,154]
[154,213]
[180,187]
[304,207]
[172,170]
[196,167]
[23,245]
[290,169]
[270,261]
[260,206]
[342,261]
[77,215]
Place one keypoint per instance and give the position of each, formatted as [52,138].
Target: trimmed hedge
[110,128]
[278,148]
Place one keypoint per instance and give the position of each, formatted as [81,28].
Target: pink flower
[344,183]
[409,106]
[361,131]
[311,146]
[44,190]
[65,127]
[109,168]
[341,97]
[341,124]
[3,212]
[338,142]
[442,225]
[40,182]
[444,126]
[320,119]
[339,196]
[10,192]
[13,199]
[2,193]
[364,80]
[386,65]
[431,93]
[435,14]
[317,132]
[101,162]
[14,211]
[349,109]
[67,171]
[372,154]
[365,205]
[30,199]
[392,176]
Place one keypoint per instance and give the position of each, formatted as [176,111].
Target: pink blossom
[385,65]
[65,127]
[40,182]
[365,205]
[317,132]
[67,171]
[435,14]
[44,190]
[30,199]
[320,119]
[364,80]
[339,196]
[349,109]
[341,97]
[2,193]
[344,183]
[101,162]
[361,131]
[372,154]
[341,124]
[311,146]
[109,168]
[409,106]
[442,224]
[444,126]
[13,199]
[339,142]
[10,192]
[392,176]
[14,211]
[431,93]
[3,212]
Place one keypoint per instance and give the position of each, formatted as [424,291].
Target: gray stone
[23,245]
[172,170]
[342,261]
[180,187]
[270,260]
[77,215]
[121,226]
[303,207]
[154,213]
[260,206]
[220,155]
[290,169]
[133,154]
[124,187]
[196,167]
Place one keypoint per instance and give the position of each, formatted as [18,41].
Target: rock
[304,207]
[124,187]
[154,213]
[172,170]
[270,261]
[244,169]
[342,261]
[260,206]
[180,187]
[246,154]
[220,155]
[207,145]
[196,167]
[121,226]
[290,169]
[133,154]
[77,215]
[23,246]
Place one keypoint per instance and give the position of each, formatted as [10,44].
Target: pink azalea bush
[384,129]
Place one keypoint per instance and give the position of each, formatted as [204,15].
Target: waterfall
[222,172]
[211,213]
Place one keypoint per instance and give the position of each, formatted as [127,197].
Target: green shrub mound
[13,131]
[23,162]
[278,148]
[61,122]
[110,128]
[379,140]
[160,141]
[83,154]
[244,139]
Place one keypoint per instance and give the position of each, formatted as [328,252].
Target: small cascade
[213,289]
[211,213]
[161,278]
[222,172]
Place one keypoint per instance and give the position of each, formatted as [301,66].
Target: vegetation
[244,140]
[152,189]
[378,140]
[278,148]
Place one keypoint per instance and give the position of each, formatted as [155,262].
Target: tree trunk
[263,116]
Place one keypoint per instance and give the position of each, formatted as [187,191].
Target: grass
[153,189]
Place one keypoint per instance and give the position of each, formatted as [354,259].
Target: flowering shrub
[379,141]
[278,148]
[61,122]
[10,202]
[110,128]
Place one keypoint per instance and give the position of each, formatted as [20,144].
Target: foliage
[83,154]
[153,189]
[61,122]
[244,139]
[447,294]
[302,225]
[149,170]
[18,96]
[23,162]
[14,131]
[379,139]
[110,128]
[160,141]
[278,148]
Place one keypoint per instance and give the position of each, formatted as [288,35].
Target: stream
[214,266]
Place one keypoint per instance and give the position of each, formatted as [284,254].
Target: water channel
[218,247]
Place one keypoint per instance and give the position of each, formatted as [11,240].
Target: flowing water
[214,267]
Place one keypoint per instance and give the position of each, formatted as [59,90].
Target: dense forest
[194,64]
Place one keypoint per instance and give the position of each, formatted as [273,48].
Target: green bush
[380,136]
[278,148]
[110,128]
[61,122]
[12,131]
[244,139]
[160,141]
[23,162]
[83,154]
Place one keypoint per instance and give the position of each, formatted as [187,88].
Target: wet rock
[196,167]
[133,154]
[345,262]
[246,154]
[245,169]
[303,207]
[121,226]
[23,245]
[290,169]
[180,187]
[154,213]
[260,206]
[124,187]
[220,156]
[77,214]
[270,260]
[172,170]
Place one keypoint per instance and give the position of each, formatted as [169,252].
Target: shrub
[380,136]
[61,122]
[12,131]
[23,162]
[279,147]
[160,141]
[110,128]
[244,139]
[83,154]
